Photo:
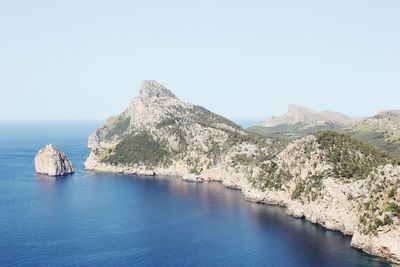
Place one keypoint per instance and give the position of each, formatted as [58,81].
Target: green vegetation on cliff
[272,178]
[351,158]
[380,207]
[208,118]
[138,148]
[309,189]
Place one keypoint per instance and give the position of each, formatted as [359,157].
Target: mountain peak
[151,89]
[292,108]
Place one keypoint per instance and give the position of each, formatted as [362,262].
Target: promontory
[326,177]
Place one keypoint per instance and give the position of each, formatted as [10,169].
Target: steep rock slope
[326,177]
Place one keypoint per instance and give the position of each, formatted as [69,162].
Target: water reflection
[296,236]
[170,222]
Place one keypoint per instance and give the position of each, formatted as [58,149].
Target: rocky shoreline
[332,215]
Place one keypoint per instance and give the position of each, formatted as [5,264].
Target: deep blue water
[90,219]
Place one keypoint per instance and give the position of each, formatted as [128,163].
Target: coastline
[327,178]
[361,242]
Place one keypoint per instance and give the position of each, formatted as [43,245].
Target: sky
[82,60]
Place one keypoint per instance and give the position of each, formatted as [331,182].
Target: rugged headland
[326,177]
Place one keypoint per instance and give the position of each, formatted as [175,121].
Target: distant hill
[381,130]
[298,114]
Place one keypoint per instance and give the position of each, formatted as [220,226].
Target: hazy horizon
[245,60]
[245,123]
[240,121]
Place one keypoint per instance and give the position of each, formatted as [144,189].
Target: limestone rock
[53,162]
[152,89]
[193,178]
[384,244]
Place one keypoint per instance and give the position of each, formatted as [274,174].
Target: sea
[100,219]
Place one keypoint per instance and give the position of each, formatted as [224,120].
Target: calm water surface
[90,219]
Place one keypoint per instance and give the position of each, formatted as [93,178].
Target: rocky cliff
[53,162]
[327,178]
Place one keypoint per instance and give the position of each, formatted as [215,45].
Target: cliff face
[327,178]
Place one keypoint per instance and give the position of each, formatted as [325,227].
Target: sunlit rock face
[53,162]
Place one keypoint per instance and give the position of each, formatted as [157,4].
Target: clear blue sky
[243,59]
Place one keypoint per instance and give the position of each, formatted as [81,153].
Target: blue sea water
[90,219]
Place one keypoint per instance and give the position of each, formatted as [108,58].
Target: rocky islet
[53,162]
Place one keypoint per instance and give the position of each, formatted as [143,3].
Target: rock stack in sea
[53,162]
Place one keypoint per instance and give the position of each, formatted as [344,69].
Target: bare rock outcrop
[53,162]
